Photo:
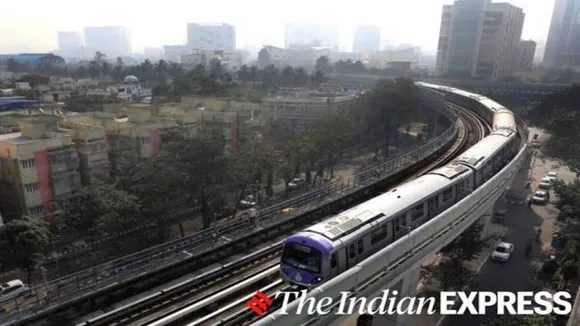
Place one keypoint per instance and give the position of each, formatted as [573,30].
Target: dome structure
[130,79]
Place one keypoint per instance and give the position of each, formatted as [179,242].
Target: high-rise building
[525,56]
[478,38]
[114,41]
[307,34]
[563,46]
[173,53]
[366,39]
[70,44]
[211,37]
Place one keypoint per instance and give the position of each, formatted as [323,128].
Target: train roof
[451,171]
[479,153]
[387,204]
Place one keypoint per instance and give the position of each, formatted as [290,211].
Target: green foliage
[22,241]
[559,114]
[98,209]
[568,203]
[451,272]
[467,246]
[449,275]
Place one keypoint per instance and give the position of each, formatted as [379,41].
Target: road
[515,275]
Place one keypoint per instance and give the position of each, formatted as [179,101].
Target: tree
[264,58]
[22,241]
[451,272]
[568,203]
[324,65]
[318,78]
[98,209]
[13,65]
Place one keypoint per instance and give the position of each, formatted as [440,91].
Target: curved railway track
[227,305]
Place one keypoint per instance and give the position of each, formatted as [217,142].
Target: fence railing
[116,271]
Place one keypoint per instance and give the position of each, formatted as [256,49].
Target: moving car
[248,202]
[541,197]
[503,251]
[545,183]
[12,289]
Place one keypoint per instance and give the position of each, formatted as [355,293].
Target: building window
[37,210]
[27,164]
[31,187]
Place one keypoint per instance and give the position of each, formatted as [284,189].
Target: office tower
[366,39]
[525,56]
[211,37]
[70,44]
[307,34]
[113,41]
[563,45]
[478,38]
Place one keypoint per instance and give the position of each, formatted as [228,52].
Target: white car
[503,251]
[541,197]
[248,202]
[12,289]
[545,183]
[552,176]
[296,183]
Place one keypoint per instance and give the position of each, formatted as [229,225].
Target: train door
[431,208]
[334,265]
[351,256]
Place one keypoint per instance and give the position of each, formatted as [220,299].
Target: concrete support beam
[485,220]
[407,287]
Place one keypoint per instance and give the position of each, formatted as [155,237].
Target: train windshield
[302,257]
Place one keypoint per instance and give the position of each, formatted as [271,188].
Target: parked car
[553,176]
[503,251]
[12,289]
[296,183]
[541,197]
[545,183]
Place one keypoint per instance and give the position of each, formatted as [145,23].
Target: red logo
[259,303]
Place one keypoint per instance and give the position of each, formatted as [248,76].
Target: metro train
[324,250]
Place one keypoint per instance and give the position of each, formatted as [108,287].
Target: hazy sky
[33,26]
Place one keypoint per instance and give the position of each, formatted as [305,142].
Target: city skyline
[36,30]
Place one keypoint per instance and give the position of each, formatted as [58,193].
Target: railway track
[232,300]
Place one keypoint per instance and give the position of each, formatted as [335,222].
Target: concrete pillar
[407,287]
[485,220]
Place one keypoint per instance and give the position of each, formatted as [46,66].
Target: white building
[308,34]
[366,39]
[114,41]
[229,60]
[173,53]
[478,38]
[70,44]
[211,37]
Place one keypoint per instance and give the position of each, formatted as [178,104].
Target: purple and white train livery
[324,250]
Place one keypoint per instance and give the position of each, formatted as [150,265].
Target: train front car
[304,256]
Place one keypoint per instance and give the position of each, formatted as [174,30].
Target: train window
[360,246]
[351,252]
[333,260]
[378,234]
[447,194]
[417,212]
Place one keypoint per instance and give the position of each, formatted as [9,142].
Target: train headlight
[316,280]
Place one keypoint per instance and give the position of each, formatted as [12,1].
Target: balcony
[63,162]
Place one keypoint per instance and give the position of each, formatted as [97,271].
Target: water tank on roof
[131,79]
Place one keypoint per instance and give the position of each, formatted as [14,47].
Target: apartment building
[478,38]
[91,146]
[298,110]
[38,165]
[563,44]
